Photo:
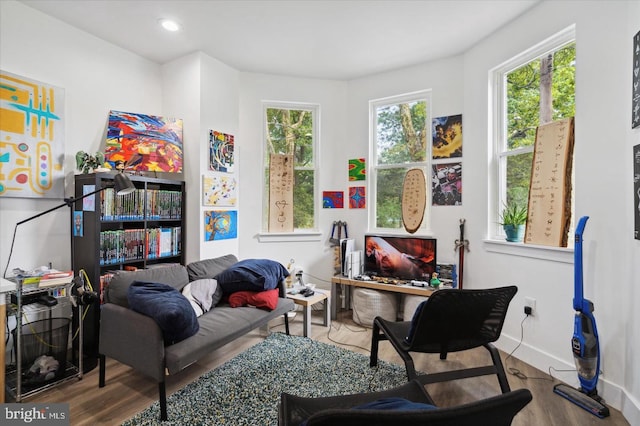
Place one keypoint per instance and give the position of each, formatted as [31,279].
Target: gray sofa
[137,341]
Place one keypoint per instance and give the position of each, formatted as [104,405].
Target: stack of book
[56,278]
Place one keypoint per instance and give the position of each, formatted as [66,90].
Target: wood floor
[127,392]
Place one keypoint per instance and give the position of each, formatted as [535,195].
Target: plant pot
[515,233]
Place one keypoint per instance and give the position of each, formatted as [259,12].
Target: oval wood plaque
[414,199]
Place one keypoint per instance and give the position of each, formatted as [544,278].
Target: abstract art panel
[636,191]
[144,142]
[447,137]
[219,190]
[31,138]
[357,197]
[357,170]
[332,199]
[221,146]
[220,225]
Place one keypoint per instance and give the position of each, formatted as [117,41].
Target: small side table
[307,302]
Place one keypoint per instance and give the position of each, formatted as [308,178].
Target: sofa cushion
[267,299]
[209,268]
[167,306]
[252,275]
[116,292]
[203,294]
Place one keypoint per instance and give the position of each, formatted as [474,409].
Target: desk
[307,302]
[402,288]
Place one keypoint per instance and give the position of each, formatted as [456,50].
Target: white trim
[283,237]
[555,254]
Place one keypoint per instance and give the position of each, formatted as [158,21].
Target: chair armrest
[132,339]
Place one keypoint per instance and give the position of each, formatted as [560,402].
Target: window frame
[497,135]
[374,167]
[298,234]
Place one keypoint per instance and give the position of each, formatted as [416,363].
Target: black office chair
[450,321]
[338,410]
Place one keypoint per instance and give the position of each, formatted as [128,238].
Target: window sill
[555,254]
[281,237]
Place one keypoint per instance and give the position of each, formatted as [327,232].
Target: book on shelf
[55,278]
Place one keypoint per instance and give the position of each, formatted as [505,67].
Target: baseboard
[614,395]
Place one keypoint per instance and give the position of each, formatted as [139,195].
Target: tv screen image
[405,258]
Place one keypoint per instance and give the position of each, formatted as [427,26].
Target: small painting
[635,90]
[636,190]
[447,136]
[144,142]
[78,223]
[446,186]
[221,146]
[332,199]
[219,190]
[357,198]
[220,225]
[357,170]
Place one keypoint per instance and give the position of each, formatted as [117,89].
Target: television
[399,257]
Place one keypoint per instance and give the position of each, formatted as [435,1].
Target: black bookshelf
[137,230]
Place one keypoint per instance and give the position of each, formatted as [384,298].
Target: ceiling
[338,40]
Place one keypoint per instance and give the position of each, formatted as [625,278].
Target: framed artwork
[635,93]
[447,136]
[32,138]
[220,225]
[144,142]
[78,223]
[332,199]
[357,197]
[219,190]
[357,169]
[446,184]
[221,147]
[636,190]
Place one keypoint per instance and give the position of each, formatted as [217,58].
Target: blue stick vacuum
[584,343]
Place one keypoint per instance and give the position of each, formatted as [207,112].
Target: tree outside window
[401,138]
[291,129]
[536,88]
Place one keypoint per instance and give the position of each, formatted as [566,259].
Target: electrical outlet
[530,302]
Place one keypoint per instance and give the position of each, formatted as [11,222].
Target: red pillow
[260,299]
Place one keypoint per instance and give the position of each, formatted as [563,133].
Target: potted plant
[513,220]
[87,163]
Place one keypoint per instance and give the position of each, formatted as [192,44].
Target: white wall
[316,257]
[97,77]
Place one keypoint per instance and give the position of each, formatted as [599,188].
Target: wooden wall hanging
[414,199]
[281,193]
[549,209]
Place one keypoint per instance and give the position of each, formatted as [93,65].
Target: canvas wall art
[357,170]
[447,137]
[144,142]
[220,225]
[221,152]
[357,197]
[31,138]
[635,90]
[636,190]
[332,199]
[446,184]
[219,190]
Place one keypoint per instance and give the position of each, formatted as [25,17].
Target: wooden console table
[396,288]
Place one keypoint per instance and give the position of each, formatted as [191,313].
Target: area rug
[246,389]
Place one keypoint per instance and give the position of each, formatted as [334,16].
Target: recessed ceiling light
[169,25]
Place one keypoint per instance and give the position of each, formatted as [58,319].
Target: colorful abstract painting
[357,198]
[357,170]
[220,225]
[144,142]
[446,184]
[219,190]
[447,136]
[31,138]
[332,199]
[221,147]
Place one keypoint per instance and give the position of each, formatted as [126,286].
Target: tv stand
[405,288]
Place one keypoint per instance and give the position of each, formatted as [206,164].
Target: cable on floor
[516,372]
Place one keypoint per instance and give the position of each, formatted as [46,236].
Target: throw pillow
[252,275]
[394,403]
[414,320]
[203,294]
[267,299]
[167,306]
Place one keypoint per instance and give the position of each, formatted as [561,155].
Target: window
[534,88]
[292,129]
[400,140]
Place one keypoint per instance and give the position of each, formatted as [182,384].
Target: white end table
[307,302]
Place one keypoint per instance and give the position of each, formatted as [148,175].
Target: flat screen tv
[404,258]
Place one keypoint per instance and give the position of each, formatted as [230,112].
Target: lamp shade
[123,184]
